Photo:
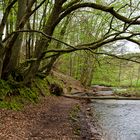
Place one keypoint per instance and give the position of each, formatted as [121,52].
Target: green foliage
[4,88]
[28,94]
[104,83]
[16,102]
[5,100]
[55,86]
[106,74]
[133,91]
[43,84]
[10,105]
[55,81]
[16,98]
[13,104]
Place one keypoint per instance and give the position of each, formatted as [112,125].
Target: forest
[87,40]
[56,56]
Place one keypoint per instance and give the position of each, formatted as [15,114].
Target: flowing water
[119,119]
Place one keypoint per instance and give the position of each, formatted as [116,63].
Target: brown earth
[47,120]
[52,118]
[71,85]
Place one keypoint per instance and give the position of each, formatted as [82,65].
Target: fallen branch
[102,97]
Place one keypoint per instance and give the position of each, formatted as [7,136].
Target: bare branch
[90,47]
[119,57]
[45,35]
[98,7]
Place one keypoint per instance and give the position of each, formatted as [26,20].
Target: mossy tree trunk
[43,44]
[14,46]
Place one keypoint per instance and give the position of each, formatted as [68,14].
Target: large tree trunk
[12,56]
[43,44]
[47,68]
[2,25]
[1,56]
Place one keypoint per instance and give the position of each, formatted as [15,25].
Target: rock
[88,109]
[56,90]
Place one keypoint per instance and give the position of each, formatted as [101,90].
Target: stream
[119,119]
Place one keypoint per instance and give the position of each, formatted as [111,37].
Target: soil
[71,85]
[47,120]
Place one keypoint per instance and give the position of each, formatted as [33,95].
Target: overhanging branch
[118,57]
[90,47]
[98,7]
[45,35]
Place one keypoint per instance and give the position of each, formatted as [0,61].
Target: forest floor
[53,118]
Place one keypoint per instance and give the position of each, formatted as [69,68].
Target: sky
[0,16]
[132,47]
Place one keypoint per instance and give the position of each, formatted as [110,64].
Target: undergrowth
[12,97]
[15,98]
[132,91]
[54,80]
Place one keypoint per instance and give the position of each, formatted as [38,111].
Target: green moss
[14,105]
[4,88]
[54,80]
[15,98]
[28,94]
[43,85]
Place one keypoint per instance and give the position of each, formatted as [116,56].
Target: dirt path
[47,120]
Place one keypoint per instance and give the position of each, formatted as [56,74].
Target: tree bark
[43,44]
[48,67]
[13,56]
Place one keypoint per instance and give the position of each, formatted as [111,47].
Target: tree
[120,24]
